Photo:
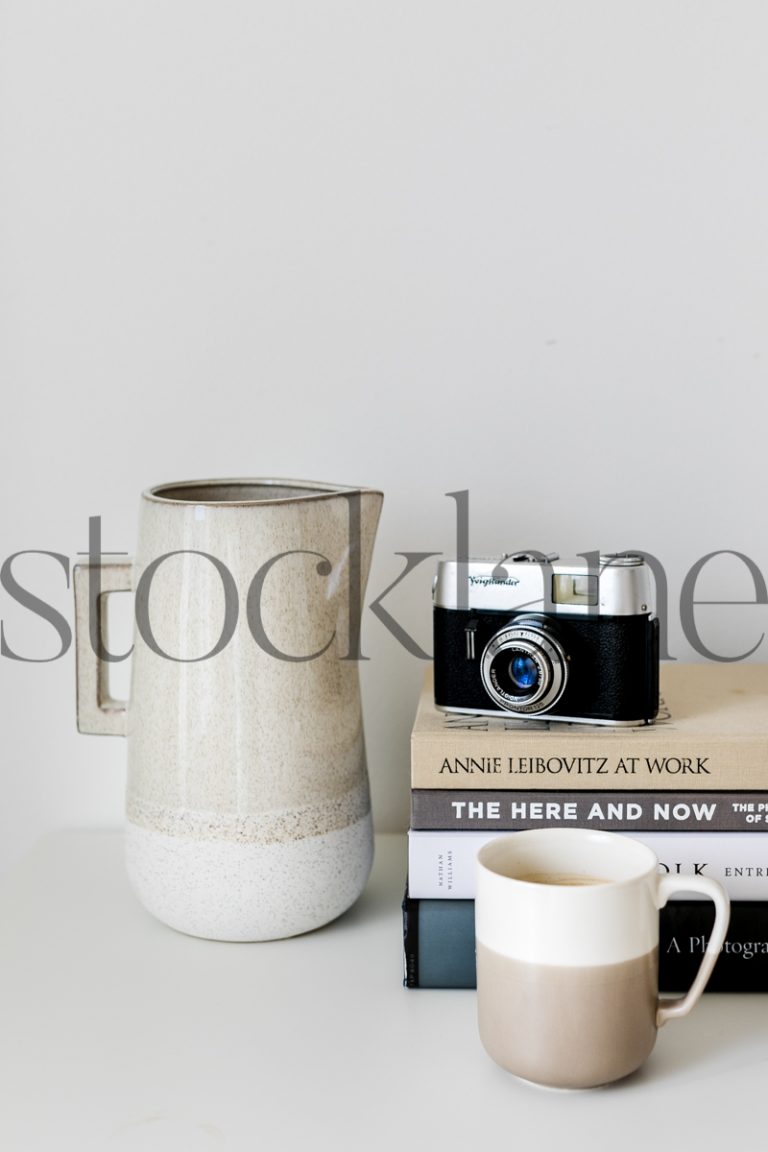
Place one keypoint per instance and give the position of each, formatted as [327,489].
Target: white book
[442,864]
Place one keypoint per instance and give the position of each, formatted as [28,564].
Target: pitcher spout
[364,512]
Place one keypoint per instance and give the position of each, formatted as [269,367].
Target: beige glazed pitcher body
[248,809]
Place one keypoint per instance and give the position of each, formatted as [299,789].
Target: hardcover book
[439,945]
[441,865]
[711,734]
[450,809]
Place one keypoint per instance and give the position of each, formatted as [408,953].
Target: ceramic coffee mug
[567,928]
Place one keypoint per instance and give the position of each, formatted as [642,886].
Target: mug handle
[673,1010]
[97,711]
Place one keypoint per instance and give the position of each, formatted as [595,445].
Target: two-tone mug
[567,931]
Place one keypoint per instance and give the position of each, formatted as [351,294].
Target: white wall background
[515,247]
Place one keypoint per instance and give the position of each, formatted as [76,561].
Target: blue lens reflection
[523,671]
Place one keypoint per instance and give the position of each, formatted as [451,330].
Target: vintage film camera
[536,636]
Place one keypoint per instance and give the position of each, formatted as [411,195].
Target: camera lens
[523,672]
[524,668]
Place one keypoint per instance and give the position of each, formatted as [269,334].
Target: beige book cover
[712,733]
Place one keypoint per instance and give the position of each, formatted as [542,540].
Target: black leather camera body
[538,637]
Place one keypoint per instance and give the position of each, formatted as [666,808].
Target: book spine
[441,865]
[439,943]
[612,760]
[412,947]
[440,809]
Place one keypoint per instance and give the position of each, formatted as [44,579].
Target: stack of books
[693,786]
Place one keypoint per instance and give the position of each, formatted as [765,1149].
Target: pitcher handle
[97,711]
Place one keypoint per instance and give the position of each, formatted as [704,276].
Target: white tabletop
[117,1033]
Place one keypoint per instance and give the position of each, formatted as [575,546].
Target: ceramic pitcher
[248,809]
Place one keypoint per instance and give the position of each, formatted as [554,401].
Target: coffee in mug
[567,878]
[567,934]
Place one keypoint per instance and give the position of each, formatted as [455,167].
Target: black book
[439,943]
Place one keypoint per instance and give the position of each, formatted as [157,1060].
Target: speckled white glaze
[247,795]
[251,891]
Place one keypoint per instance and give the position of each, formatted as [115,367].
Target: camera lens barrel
[524,667]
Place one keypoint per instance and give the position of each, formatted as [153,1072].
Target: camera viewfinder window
[568,588]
